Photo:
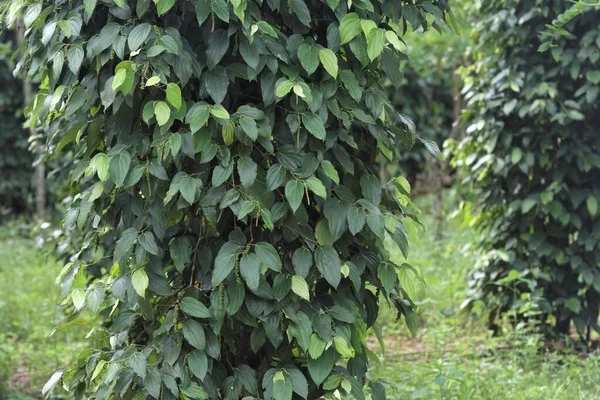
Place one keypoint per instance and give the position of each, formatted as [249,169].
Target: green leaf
[193,332]
[247,170]
[181,252]
[194,308]
[329,61]
[194,391]
[75,58]
[282,387]
[119,166]
[198,363]
[516,155]
[349,27]
[302,260]
[267,29]
[139,281]
[137,362]
[221,10]
[250,270]
[315,185]
[375,43]
[218,44]
[592,205]
[300,287]
[356,220]
[342,314]
[294,192]
[351,84]
[100,164]
[376,222]
[317,346]
[593,77]
[309,57]
[320,368]
[221,174]
[162,111]
[299,383]
[330,171]
[173,96]
[138,36]
[175,143]
[299,8]
[322,234]
[371,188]
[268,255]
[336,213]
[343,348]
[314,124]
[249,127]
[573,304]
[94,297]
[217,82]
[163,6]
[54,379]
[89,6]
[329,265]
[197,116]
[225,262]
[283,88]
[124,245]
[275,177]
[219,112]
[149,243]
[246,208]
[153,81]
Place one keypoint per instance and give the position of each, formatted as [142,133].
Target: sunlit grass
[29,310]
[453,356]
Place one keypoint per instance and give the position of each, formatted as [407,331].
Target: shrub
[226,160]
[533,153]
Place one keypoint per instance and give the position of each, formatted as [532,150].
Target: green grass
[29,310]
[453,356]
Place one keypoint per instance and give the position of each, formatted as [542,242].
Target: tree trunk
[38,149]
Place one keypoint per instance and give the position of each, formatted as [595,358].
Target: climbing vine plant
[533,153]
[226,164]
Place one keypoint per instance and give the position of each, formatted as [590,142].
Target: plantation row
[236,178]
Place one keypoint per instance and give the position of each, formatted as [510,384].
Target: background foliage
[532,152]
[226,162]
[15,157]
[429,93]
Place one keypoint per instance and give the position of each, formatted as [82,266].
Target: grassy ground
[29,310]
[453,355]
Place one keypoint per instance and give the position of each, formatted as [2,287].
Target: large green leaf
[194,334]
[320,368]
[225,262]
[268,255]
[314,124]
[294,192]
[329,264]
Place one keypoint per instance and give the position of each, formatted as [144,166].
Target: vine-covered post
[224,160]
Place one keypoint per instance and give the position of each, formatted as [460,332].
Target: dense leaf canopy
[533,151]
[226,166]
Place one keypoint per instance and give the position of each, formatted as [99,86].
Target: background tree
[533,153]
[15,157]
[225,155]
